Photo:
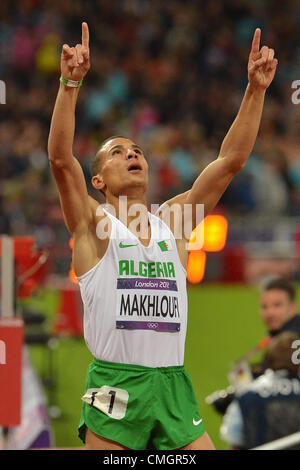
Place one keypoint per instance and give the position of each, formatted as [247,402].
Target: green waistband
[135,367]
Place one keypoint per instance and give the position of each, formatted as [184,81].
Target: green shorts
[140,407]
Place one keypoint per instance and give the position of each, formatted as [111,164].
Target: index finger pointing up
[256,41]
[85,35]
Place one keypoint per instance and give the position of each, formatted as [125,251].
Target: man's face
[276,308]
[124,166]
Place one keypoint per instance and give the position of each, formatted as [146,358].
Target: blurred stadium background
[171,76]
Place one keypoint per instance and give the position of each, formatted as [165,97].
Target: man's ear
[98,183]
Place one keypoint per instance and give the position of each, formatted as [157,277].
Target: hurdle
[11,337]
[7,277]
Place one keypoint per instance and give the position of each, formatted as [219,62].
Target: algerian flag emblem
[165,245]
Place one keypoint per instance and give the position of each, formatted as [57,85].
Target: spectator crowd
[170,75]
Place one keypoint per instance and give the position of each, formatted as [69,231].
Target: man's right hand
[75,61]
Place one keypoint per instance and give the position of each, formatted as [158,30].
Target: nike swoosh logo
[126,246]
[197,422]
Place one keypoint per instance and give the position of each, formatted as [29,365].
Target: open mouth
[134,168]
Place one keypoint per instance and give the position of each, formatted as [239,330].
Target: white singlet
[135,299]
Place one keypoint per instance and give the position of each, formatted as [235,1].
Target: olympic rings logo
[152,326]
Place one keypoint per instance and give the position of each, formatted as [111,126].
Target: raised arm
[239,141]
[75,202]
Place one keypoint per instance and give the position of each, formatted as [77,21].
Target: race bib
[147,304]
[111,401]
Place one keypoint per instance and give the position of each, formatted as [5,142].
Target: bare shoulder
[101,226]
[91,242]
[171,213]
[175,201]
[96,208]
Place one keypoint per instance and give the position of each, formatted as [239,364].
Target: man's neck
[127,208]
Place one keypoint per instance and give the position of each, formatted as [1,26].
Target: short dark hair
[281,284]
[279,352]
[96,163]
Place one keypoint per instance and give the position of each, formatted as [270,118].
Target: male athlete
[133,280]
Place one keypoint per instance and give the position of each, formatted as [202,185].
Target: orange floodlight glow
[72,275]
[214,239]
[196,266]
[215,232]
